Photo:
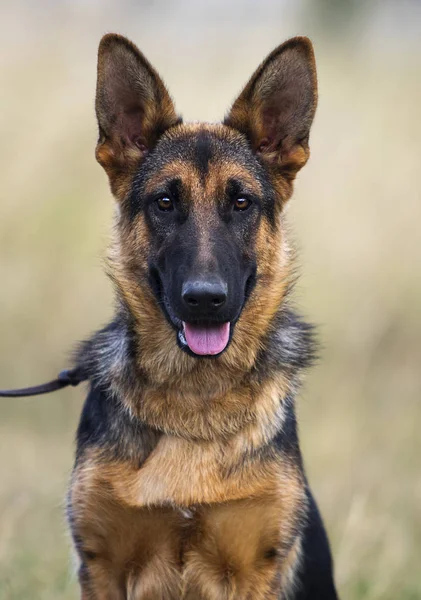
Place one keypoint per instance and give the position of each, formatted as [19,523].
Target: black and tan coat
[188,481]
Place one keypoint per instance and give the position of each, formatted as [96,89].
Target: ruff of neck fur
[179,406]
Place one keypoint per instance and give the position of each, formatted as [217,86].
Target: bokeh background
[356,215]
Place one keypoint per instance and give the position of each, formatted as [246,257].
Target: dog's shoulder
[107,426]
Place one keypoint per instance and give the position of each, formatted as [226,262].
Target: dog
[188,480]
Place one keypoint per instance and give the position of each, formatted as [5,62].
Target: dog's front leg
[99,583]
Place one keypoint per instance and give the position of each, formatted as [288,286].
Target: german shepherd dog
[188,481]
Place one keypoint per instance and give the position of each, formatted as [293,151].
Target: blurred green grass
[355,214]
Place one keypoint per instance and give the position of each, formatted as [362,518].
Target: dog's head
[199,256]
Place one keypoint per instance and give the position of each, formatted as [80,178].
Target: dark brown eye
[242,204]
[165,204]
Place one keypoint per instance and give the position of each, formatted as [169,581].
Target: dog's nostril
[192,301]
[217,301]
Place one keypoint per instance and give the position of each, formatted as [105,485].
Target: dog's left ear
[276,108]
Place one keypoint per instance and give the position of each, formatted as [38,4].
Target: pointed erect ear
[133,108]
[276,108]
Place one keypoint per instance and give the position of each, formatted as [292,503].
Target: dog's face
[199,205]
[201,195]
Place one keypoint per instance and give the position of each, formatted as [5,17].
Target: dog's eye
[165,204]
[242,204]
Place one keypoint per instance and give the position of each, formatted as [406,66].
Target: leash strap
[64,379]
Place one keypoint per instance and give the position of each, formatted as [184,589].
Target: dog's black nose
[201,295]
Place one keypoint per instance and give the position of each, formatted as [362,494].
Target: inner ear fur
[133,107]
[276,108]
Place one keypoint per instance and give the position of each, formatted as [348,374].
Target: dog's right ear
[133,109]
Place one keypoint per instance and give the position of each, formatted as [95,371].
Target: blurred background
[356,216]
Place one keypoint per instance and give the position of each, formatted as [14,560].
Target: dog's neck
[210,399]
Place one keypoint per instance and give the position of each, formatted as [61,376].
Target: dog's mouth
[205,339]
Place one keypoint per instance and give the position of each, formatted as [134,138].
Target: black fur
[315,579]
[107,424]
[108,359]
[199,150]
[110,363]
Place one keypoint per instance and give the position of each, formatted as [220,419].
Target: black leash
[65,378]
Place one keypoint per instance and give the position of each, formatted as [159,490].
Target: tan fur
[224,557]
[292,63]
[116,151]
[160,358]
[206,516]
[215,550]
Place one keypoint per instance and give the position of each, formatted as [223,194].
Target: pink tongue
[209,339]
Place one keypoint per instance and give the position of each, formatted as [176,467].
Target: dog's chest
[187,524]
[234,549]
[186,473]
